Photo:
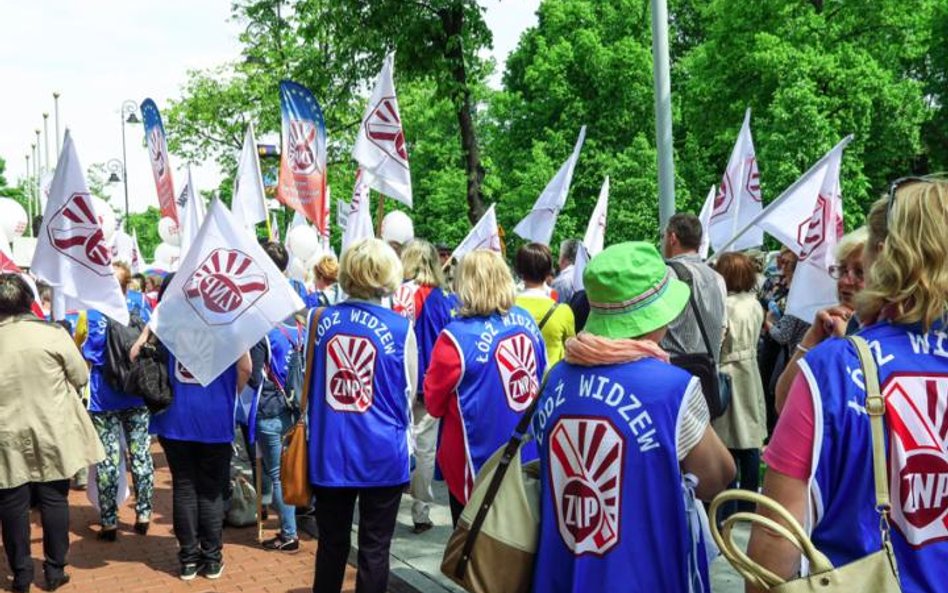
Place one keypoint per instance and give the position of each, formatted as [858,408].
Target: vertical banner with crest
[302,184]
[158,155]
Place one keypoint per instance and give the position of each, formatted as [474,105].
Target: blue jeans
[270,433]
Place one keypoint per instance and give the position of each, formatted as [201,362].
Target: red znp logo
[183,375]
[302,147]
[384,129]
[76,232]
[917,414]
[586,459]
[812,233]
[156,151]
[350,368]
[403,301]
[223,287]
[517,363]
[752,185]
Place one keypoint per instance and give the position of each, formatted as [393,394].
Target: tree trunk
[452,19]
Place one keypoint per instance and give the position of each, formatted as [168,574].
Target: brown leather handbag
[294,460]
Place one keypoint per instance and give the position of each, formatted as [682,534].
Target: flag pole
[663,123]
[763,213]
[379,214]
[258,479]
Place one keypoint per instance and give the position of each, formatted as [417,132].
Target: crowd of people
[414,378]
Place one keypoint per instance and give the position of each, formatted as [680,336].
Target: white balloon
[106,216]
[167,256]
[397,227]
[314,259]
[13,219]
[169,232]
[303,242]
[296,270]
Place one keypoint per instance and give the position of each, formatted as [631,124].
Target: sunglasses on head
[902,182]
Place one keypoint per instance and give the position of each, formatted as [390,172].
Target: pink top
[790,450]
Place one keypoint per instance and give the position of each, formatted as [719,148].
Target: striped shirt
[683,335]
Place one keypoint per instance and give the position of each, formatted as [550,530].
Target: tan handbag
[294,460]
[875,573]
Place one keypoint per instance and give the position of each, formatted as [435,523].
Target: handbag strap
[512,448]
[549,314]
[875,406]
[310,352]
[684,274]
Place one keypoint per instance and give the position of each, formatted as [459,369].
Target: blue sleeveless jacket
[360,400]
[913,373]
[612,510]
[201,414]
[439,310]
[503,360]
[102,396]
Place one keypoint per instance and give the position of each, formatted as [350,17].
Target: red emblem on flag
[517,363]
[384,129]
[812,233]
[586,458]
[75,231]
[225,285]
[723,199]
[752,185]
[302,147]
[917,415]
[184,375]
[350,368]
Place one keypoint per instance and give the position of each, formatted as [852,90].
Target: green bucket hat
[631,291]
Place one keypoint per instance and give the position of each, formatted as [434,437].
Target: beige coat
[744,424]
[45,433]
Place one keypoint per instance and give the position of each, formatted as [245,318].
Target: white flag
[71,252]
[191,210]
[138,262]
[226,296]
[359,218]
[705,218]
[249,205]
[484,235]
[342,213]
[122,247]
[595,237]
[738,198]
[380,144]
[579,266]
[538,224]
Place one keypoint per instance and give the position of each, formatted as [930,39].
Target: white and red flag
[738,198]
[538,224]
[72,254]
[249,204]
[192,211]
[137,263]
[484,235]
[226,296]
[595,237]
[380,147]
[705,217]
[359,217]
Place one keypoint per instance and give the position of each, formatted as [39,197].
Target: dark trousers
[200,475]
[378,510]
[52,498]
[748,478]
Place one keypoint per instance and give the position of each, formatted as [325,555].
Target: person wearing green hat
[625,442]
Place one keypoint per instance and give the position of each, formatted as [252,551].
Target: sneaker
[188,572]
[283,544]
[213,570]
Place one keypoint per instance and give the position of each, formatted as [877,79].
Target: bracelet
[802,348]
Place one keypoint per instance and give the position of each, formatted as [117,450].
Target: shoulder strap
[684,274]
[875,405]
[310,352]
[512,448]
[549,314]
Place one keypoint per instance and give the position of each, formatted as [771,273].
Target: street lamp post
[128,113]
[29,199]
[46,139]
[39,162]
[56,113]
[116,169]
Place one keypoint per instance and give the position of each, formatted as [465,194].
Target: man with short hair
[680,243]
[563,284]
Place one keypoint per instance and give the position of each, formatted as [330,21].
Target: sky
[99,53]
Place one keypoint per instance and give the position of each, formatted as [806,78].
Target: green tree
[145,224]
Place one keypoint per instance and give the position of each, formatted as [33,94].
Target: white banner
[738,198]
[249,206]
[595,238]
[484,235]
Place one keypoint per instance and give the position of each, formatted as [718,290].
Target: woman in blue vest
[196,432]
[116,414]
[363,380]
[820,456]
[485,370]
[623,438]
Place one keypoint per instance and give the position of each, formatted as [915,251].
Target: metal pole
[56,112]
[124,166]
[663,123]
[46,139]
[29,197]
[39,161]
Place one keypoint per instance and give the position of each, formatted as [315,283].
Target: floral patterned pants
[110,425]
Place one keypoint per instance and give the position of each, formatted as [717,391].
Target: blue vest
[102,397]
[913,373]
[503,360]
[201,414]
[439,310]
[282,340]
[359,405]
[612,510]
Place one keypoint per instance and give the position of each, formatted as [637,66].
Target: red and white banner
[72,254]
[160,161]
[226,296]
[738,198]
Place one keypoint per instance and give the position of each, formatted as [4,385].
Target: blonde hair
[911,270]
[420,262]
[327,267]
[484,285]
[875,225]
[851,244]
[369,269]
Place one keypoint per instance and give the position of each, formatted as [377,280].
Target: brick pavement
[137,564]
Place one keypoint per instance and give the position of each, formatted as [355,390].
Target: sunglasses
[902,182]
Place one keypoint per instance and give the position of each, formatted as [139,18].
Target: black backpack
[119,340]
[149,377]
